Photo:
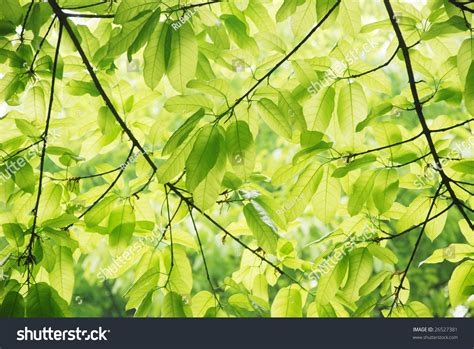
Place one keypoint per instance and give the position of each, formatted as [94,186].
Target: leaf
[303,191]
[360,268]
[361,192]
[373,283]
[465,166]
[121,227]
[183,57]
[453,253]
[332,272]
[13,306]
[120,43]
[261,226]
[24,177]
[385,189]
[98,213]
[11,10]
[62,276]
[146,282]
[156,55]
[240,148]
[326,199]
[466,231]
[173,306]
[43,301]
[319,109]
[383,253]
[287,9]
[207,192]
[350,17]
[129,9]
[202,302]
[14,234]
[465,58]
[176,163]
[273,117]
[461,282]
[351,109]
[50,203]
[182,132]
[469,90]
[181,278]
[287,303]
[203,156]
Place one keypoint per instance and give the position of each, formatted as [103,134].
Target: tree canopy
[246,158]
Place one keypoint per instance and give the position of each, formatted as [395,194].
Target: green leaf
[120,43]
[148,281]
[327,198]
[202,302]
[183,57]
[385,189]
[129,9]
[351,109]
[361,192]
[203,156]
[261,226]
[207,192]
[14,234]
[373,283]
[331,274]
[465,166]
[182,132]
[44,301]
[274,118]
[24,177]
[461,283]
[287,9]
[287,303]
[98,213]
[176,163]
[173,306]
[469,90]
[156,55]
[181,278]
[50,203]
[350,17]
[360,268]
[62,276]
[453,253]
[465,58]
[13,306]
[11,10]
[240,148]
[121,227]
[319,109]
[303,191]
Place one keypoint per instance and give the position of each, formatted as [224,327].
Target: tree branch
[283,60]
[417,243]
[28,257]
[419,111]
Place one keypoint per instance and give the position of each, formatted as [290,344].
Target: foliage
[236,158]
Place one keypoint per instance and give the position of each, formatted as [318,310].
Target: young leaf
[183,57]
[240,148]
